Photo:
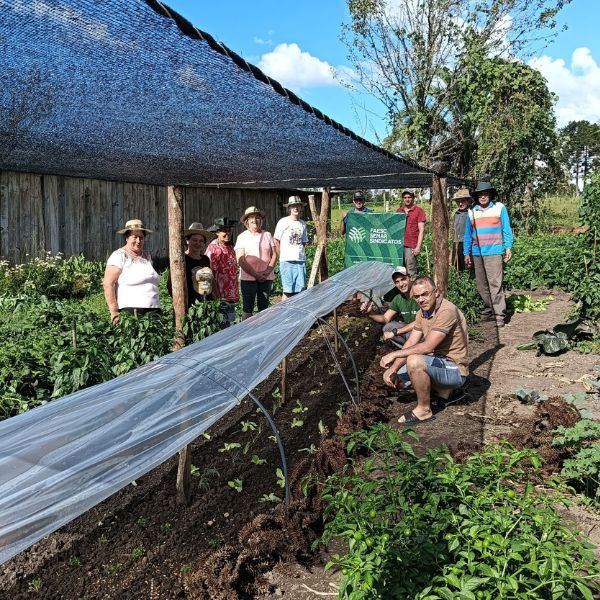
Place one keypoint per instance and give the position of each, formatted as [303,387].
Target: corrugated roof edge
[193,32]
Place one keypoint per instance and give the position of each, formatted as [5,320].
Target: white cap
[399,271]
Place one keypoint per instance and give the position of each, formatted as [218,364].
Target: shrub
[462,291]
[52,276]
[430,528]
[583,440]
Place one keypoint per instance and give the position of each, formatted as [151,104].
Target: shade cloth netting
[61,459]
[128,90]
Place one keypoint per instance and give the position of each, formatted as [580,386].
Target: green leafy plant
[429,528]
[236,484]
[280,478]
[201,320]
[114,568]
[270,498]
[138,552]
[35,585]
[523,303]
[256,460]
[230,446]
[462,291]
[560,338]
[583,441]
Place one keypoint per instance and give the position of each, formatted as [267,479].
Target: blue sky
[299,43]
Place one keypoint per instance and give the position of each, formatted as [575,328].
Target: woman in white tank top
[130,281]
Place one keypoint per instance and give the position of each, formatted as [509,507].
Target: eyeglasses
[423,295]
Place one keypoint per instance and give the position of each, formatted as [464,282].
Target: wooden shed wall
[40,213]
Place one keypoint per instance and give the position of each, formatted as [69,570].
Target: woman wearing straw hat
[130,281]
[291,237]
[463,200]
[196,239]
[224,266]
[256,256]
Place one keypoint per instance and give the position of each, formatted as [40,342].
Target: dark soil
[141,543]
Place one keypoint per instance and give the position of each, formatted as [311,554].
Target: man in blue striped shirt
[487,245]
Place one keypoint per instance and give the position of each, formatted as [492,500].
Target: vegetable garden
[454,513]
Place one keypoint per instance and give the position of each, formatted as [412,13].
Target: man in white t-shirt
[291,237]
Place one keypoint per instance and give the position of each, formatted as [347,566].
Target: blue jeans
[442,371]
[255,291]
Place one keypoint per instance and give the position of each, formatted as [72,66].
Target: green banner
[375,236]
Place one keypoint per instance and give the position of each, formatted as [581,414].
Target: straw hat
[222,223]
[198,229]
[251,210]
[462,194]
[294,201]
[134,224]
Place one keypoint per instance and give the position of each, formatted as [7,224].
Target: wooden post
[440,221]
[177,267]
[284,381]
[176,257]
[320,220]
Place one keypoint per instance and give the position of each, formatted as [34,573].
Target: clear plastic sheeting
[63,458]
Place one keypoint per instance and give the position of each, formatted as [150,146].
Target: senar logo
[357,234]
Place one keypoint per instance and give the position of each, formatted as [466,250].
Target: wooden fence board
[74,215]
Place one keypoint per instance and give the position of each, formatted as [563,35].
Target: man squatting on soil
[403,305]
[434,358]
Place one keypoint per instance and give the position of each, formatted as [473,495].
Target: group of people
[429,335]
[215,269]
[428,332]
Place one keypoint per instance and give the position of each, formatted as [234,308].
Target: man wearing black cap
[488,245]
[414,231]
[359,206]
[398,320]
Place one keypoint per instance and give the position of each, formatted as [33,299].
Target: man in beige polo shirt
[434,358]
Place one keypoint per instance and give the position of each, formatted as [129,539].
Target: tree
[580,142]
[508,123]
[410,53]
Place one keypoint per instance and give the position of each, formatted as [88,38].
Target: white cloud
[296,69]
[577,85]
[262,42]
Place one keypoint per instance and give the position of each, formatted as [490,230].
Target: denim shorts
[293,276]
[442,371]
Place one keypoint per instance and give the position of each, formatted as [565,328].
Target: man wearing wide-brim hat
[291,237]
[463,200]
[487,245]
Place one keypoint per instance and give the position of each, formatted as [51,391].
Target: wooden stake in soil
[336,341]
[284,364]
[440,220]
[177,266]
